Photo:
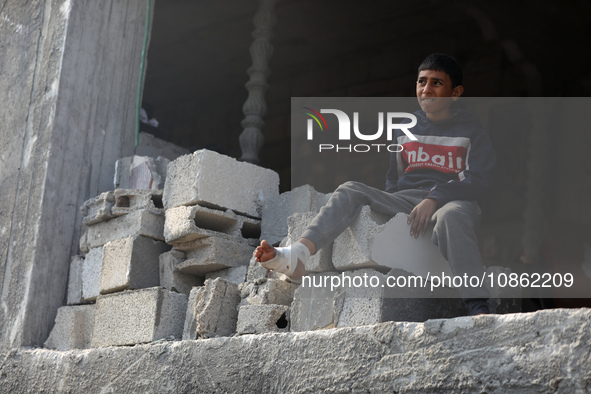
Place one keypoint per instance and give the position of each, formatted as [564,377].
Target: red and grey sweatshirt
[453,159]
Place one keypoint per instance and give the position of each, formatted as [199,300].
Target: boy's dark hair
[445,63]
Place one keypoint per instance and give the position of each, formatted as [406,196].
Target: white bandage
[286,259]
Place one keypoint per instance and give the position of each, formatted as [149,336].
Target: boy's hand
[421,215]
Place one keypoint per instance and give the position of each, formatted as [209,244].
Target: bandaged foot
[286,259]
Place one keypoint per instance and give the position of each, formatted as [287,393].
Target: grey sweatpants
[453,232]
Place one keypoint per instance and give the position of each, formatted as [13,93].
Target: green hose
[141,77]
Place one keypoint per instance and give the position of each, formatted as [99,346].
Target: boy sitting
[442,191]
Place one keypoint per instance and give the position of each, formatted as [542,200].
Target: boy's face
[435,94]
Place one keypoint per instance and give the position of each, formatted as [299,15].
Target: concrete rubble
[140,172]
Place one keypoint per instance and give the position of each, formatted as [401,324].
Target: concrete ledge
[546,351]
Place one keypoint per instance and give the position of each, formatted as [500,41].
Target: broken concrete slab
[267,291]
[72,328]
[210,179]
[98,209]
[91,274]
[173,280]
[213,254]
[352,249]
[259,319]
[545,351]
[277,210]
[142,222]
[131,263]
[212,310]
[235,275]
[393,247]
[138,316]
[140,172]
[322,259]
[75,281]
[128,200]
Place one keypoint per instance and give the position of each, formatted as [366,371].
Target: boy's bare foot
[264,252]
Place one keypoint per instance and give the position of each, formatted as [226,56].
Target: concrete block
[393,247]
[152,146]
[259,319]
[235,275]
[277,210]
[185,224]
[173,280]
[138,316]
[322,259]
[98,209]
[212,310]
[72,328]
[128,200]
[213,254]
[210,179]
[131,263]
[91,274]
[267,291]
[256,272]
[315,307]
[142,222]
[352,249]
[140,172]
[75,281]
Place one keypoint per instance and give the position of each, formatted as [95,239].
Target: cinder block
[277,210]
[129,200]
[267,291]
[213,254]
[75,281]
[98,209]
[259,319]
[235,275]
[322,259]
[138,316]
[140,172]
[315,305]
[210,179]
[352,249]
[131,263]
[393,247]
[212,310]
[91,274]
[72,328]
[142,222]
[185,224]
[173,280]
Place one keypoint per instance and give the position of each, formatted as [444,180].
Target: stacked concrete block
[141,222]
[131,263]
[212,310]
[72,329]
[322,259]
[235,275]
[138,316]
[276,211]
[352,249]
[210,254]
[184,224]
[91,274]
[259,319]
[173,280]
[140,172]
[98,209]
[74,295]
[210,179]
[267,291]
[129,200]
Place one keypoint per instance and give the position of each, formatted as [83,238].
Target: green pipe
[141,77]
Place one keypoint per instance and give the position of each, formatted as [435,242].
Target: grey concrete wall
[68,80]
[542,352]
